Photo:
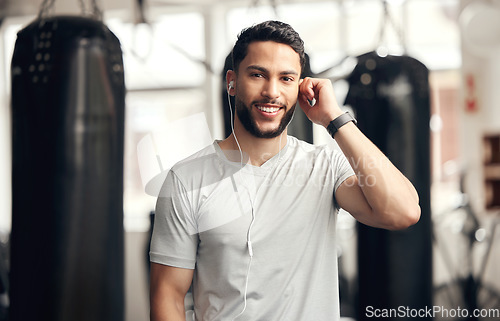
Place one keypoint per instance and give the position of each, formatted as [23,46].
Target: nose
[271,89]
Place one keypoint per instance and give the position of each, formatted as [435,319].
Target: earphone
[229,87]
[249,242]
[252,202]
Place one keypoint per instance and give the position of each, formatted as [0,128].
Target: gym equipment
[390,95]
[68,98]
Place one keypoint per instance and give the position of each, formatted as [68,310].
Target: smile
[268,109]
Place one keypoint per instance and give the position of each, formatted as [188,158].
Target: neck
[256,150]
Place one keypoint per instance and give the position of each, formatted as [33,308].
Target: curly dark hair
[276,31]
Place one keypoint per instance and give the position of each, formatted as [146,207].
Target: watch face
[340,121]
[331,129]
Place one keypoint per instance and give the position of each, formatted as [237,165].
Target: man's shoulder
[306,148]
[197,161]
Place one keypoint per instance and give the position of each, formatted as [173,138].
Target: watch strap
[338,122]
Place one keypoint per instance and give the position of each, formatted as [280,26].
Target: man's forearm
[391,198]
[388,192]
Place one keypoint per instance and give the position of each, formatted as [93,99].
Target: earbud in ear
[231,85]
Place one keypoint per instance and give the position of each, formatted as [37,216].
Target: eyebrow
[262,69]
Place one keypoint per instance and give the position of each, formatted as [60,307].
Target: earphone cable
[249,242]
[232,129]
[246,290]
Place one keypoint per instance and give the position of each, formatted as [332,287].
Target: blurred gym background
[431,67]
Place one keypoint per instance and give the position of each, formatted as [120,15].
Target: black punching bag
[68,98]
[390,96]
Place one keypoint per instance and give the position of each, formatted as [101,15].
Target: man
[250,220]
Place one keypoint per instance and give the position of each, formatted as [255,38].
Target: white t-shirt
[209,208]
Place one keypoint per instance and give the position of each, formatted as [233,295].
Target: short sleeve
[342,170]
[173,241]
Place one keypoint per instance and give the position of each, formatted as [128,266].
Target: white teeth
[268,109]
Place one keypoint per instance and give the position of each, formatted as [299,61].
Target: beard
[246,119]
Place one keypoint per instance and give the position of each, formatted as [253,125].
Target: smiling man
[250,221]
[274,104]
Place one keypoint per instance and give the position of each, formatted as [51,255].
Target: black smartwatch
[338,122]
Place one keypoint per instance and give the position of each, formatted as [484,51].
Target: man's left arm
[378,195]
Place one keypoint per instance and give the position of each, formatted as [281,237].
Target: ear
[230,82]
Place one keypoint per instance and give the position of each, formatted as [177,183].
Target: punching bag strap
[48,5]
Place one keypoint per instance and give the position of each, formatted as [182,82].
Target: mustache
[269,101]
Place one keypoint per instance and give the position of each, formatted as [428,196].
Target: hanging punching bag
[67,172]
[390,96]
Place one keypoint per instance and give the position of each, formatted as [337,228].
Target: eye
[257,75]
[288,79]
